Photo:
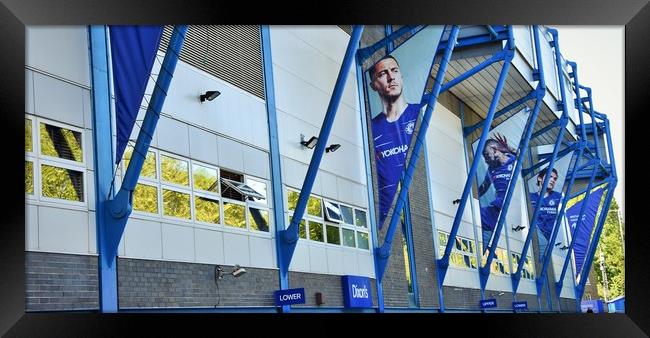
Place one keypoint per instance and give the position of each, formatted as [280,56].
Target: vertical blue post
[103,162]
[289,236]
[276,160]
[371,195]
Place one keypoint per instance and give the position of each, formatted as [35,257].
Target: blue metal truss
[113,212]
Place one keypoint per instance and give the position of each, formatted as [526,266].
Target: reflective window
[149,165]
[28,136]
[176,204]
[302,232]
[259,187]
[346,213]
[360,218]
[174,170]
[227,190]
[333,235]
[29,177]
[314,206]
[61,143]
[62,183]
[332,212]
[207,210]
[259,219]
[292,199]
[205,178]
[362,239]
[233,215]
[316,232]
[348,237]
[145,198]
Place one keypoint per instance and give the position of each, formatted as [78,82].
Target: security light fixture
[456,201]
[518,228]
[236,272]
[332,148]
[209,95]
[310,144]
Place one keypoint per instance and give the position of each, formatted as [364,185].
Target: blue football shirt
[499,177]
[547,211]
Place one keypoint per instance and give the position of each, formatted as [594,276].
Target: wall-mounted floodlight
[332,148]
[209,95]
[518,228]
[236,272]
[310,144]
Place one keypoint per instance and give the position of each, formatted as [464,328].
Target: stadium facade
[222,177]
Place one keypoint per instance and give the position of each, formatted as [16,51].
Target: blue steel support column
[443,263]
[118,209]
[276,160]
[289,236]
[369,190]
[103,150]
[384,252]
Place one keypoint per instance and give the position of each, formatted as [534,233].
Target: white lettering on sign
[394,151]
[489,303]
[358,292]
[293,296]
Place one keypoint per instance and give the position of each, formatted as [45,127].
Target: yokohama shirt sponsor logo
[394,151]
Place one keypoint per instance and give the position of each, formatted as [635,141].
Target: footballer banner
[551,202]
[582,231]
[496,165]
[394,87]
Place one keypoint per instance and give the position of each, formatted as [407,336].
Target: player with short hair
[550,202]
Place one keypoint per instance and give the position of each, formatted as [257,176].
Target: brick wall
[330,286]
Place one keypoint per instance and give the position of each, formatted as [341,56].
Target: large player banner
[551,199]
[395,85]
[495,169]
[582,234]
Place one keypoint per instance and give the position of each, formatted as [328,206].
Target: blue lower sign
[523,305]
[488,303]
[290,296]
[356,291]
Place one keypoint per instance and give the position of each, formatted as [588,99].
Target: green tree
[611,245]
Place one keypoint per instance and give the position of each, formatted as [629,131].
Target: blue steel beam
[289,236]
[383,253]
[569,149]
[103,150]
[118,209]
[502,34]
[549,127]
[531,95]
[443,262]
[275,158]
[366,52]
[369,183]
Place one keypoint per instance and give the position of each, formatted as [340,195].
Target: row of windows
[499,262]
[528,270]
[331,222]
[463,254]
[192,191]
[54,162]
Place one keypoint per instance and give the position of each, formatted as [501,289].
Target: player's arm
[482,189]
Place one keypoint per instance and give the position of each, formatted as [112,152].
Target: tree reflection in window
[62,183]
[360,218]
[29,177]
[233,215]
[362,239]
[292,199]
[348,238]
[174,170]
[205,178]
[314,206]
[333,234]
[316,231]
[259,219]
[207,210]
[302,231]
[145,198]
[28,136]
[176,204]
[149,165]
[61,143]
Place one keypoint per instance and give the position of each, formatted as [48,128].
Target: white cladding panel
[178,242]
[63,230]
[58,100]
[208,246]
[142,239]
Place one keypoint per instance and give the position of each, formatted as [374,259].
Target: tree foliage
[611,245]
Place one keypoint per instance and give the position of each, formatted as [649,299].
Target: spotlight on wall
[456,201]
[209,95]
[310,144]
[332,148]
[236,272]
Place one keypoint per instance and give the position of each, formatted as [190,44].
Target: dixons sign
[290,296]
[356,291]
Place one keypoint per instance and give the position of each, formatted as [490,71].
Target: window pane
[292,199]
[176,204]
[60,142]
[362,239]
[456,259]
[473,261]
[302,232]
[333,235]
[360,217]
[29,177]
[332,212]
[316,232]
[205,178]
[145,198]
[174,171]
[28,136]
[259,187]
[259,219]
[207,210]
[62,183]
[149,165]
[314,206]
[442,237]
[233,215]
[348,238]
[346,212]
[227,191]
